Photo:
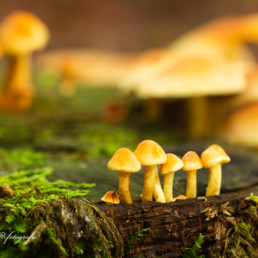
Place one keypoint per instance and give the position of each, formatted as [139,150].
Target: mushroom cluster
[150,154]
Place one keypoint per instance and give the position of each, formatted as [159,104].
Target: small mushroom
[111,197]
[158,192]
[124,162]
[150,154]
[181,197]
[21,33]
[167,170]
[192,163]
[212,158]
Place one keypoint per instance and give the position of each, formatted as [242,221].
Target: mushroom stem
[158,193]
[198,119]
[191,187]
[154,109]
[168,186]
[123,187]
[214,183]
[148,185]
[18,88]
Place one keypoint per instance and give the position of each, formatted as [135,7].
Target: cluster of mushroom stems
[150,154]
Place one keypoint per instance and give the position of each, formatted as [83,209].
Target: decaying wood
[168,222]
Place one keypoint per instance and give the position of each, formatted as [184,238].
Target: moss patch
[52,219]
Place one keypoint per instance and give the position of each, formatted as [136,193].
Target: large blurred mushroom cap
[208,60]
[242,126]
[22,32]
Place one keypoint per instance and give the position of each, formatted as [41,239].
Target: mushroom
[192,163]
[21,33]
[111,197]
[157,191]
[150,154]
[207,61]
[167,170]
[241,126]
[181,197]
[212,158]
[124,162]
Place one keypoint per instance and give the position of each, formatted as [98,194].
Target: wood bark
[169,221]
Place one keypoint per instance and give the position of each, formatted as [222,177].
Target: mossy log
[168,223]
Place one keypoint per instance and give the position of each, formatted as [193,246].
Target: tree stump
[177,224]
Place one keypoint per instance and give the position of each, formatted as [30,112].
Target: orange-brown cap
[22,32]
[124,161]
[181,197]
[191,161]
[111,197]
[150,153]
[172,164]
[214,155]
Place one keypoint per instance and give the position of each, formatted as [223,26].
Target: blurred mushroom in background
[241,127]
[21,33]
[208,61]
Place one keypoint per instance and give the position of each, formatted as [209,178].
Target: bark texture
[168,222]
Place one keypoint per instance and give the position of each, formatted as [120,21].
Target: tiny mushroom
[111,197]
[181,197]
[192,163]
[212,158]
[150,154]
[21,33]
[167,170]
[124,162]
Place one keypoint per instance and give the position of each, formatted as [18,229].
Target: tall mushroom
[157,191]
[150,154]
[167,170]
[21,33]
[212,158]
[124,162]
[192,163]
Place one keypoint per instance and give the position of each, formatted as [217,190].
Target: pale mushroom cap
[191,161]
[111,197]
[242,126]
[124,161]
[214,155]
[22,32]
[150,153]
[172,164]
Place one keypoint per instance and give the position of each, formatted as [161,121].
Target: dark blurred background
[124,25]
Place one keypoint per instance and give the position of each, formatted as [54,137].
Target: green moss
[193,251]
[139,234]
[235,232]
[60,224]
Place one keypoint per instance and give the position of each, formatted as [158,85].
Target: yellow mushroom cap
[124,161]
[214,155]
[22,32]
[150,153]
[111,197]
[172,164]
[191,161]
